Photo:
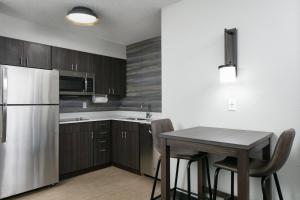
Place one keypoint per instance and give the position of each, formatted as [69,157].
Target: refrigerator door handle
[4,101]
[4,121]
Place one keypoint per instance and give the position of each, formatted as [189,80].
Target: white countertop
[103,116]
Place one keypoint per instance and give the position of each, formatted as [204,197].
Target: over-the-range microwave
[76,83]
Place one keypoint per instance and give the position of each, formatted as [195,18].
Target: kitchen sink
[73,119]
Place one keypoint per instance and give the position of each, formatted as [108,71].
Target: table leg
[266,156]
[243,175]
[201,179]
[165,170]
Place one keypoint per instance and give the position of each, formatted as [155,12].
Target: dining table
[221,141]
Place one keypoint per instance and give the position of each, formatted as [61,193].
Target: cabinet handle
[125,134]
[85,84]
[76,67]
[113,90]
[21,60]
[26,62]
[102,150]
[72,67]
[92,135]
[108,90]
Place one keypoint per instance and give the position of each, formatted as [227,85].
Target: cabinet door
[132,145]
[61,59]
[84,133]
[119,77]
[67,149]
[81,61]
[37,55]
[102,74]
[119,151]
[11,51]
[85,150]
[75,147]
[95,61]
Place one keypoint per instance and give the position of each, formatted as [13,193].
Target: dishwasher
[148,155]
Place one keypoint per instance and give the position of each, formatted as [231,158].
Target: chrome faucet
[148,112]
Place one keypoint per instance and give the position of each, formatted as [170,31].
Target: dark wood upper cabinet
[101,74]
[11,51]
[24,54]
[70,60]
[61,59]
[110,74]
[81,61]
[37,55]
[118,77]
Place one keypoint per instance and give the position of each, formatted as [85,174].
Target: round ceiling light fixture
[82,16]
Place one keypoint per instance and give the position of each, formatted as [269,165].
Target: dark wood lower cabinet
[126,144]
[91,145]
[83,145]
[102,143]
[76,147]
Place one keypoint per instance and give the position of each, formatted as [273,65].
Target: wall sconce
[228,72]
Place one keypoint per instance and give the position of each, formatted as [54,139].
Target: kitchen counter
[137,117]
[81,120]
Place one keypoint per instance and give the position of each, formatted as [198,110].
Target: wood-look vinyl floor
[106,184]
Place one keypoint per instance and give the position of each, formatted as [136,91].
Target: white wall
[268,87]
[25,30]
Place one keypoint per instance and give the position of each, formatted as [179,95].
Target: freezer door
[22,85]
[29,157]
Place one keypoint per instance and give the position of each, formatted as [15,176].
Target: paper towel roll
[100,99]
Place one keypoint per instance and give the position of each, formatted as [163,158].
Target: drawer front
[102,143]
[102,153]
[101,126]
[101,157]
[101,134]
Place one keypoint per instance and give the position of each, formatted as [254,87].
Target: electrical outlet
[232,105]
[84,105]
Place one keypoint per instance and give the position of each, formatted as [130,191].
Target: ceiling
[121,21]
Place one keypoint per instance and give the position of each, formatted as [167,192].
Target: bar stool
[165,125]
[260,168]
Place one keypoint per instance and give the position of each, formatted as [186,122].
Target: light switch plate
[84,105]
[232,105]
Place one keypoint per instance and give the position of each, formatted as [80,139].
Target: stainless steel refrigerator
[29,120]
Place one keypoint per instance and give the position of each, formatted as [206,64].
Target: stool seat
[187,155]
[255,166]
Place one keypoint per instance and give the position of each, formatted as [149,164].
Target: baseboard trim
[80,172]
[127,168]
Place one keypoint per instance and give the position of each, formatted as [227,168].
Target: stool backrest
[280,154]
[157,127]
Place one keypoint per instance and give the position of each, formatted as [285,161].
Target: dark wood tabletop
[227,142]
[242,139]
